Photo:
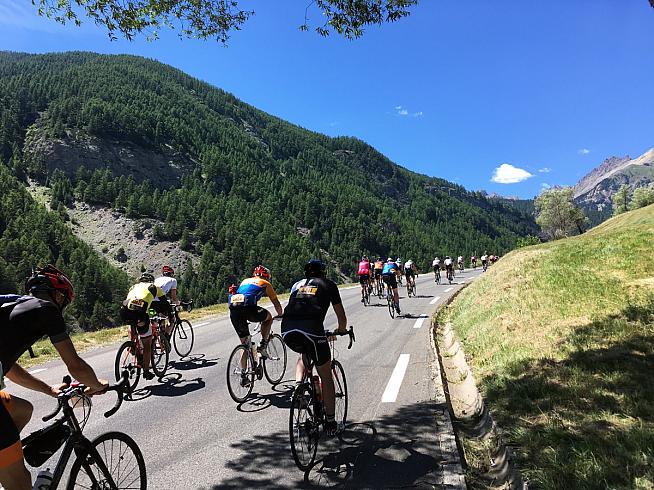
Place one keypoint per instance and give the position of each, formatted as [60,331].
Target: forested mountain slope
[233,184]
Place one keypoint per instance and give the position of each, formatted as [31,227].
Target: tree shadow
[585,421]
[389,452]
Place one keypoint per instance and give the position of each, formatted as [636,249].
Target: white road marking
[202,324]
[419,322]
[394,383]
[435,300]
[448,290]
[38,370]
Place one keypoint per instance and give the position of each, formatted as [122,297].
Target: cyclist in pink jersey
[364,274]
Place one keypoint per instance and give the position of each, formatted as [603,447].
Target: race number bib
[237,299]
[307,290]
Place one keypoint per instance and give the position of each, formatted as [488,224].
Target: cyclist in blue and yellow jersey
[134,311]
[243,307]
[389,276]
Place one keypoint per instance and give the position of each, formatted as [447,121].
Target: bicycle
[390,299]
[450,274]
[461,266]
[240,377]
[130,354]
[307,412]
[411,288]
[111,461]
[437,275]
[182,334]
[380,288]
[366,295]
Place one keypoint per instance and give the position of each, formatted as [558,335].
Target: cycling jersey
[484,258]
[308,305]
[166,283]
[389,268]
[250,292]
[460,260]
[448,262]
[364,268]
[141,296]
[379,265]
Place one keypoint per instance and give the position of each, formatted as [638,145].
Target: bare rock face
[163,168]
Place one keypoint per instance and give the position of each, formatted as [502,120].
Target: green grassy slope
[561,338]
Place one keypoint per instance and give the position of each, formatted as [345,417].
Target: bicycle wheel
[391,304]
[240,381]
[126,359]
[274,367]
[414,289]
[159,356]
[303,428]
[340,389]
[115,456]
[183,338]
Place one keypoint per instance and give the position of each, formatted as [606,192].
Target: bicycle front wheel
[183,338]
[274,367]
[114,461]
[340,390]
[303,427]
[159,356]
[127,360]
[240,373]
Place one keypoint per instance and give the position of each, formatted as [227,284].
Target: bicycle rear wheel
[183,338]
[126,359]
[340,390]
[240,381]
[115,459]
[303,427]
[274,367]
[391,304]
[159,356]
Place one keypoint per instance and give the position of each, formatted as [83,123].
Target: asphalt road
[194,436]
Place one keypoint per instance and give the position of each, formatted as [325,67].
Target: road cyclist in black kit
[304,332]
[23,321]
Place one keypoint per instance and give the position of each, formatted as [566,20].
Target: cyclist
[134,311]
[473,261]
[436,265]
[459,261]
[484,261]
[168,285]
[24,320]
[410,272]
[389,276]
[398,261]
[364,275]
[449,267]
[379,266]
[243,308]
[304,332]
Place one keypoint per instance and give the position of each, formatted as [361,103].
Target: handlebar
[77,389]
[349,332]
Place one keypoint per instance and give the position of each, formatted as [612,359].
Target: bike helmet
[49,279]
[314,268]
[166,270]
[232,289]
[390,259]
[146,277]
[262,272]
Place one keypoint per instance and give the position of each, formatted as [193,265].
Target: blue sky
[461,89]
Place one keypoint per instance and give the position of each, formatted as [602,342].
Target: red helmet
[262,271]
[49,278]
[232,289]
[166,270]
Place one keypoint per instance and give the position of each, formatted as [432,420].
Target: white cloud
[403,111]
[508,174]
[545,170]
[583,151]
[398,107]
[417,114]
[544,186]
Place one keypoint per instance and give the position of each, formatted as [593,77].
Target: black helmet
[146,277]
[49,279]
[314,268]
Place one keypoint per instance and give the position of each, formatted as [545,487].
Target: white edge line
[38,370]
[395,381]
[419,322]
[435,300]
[448,290]
[202,324]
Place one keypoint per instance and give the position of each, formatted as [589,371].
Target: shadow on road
[390,452]
[198,361]
[280,398]
[171,384]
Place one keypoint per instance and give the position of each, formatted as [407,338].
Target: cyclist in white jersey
[168,284]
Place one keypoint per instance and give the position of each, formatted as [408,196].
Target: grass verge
[561,340]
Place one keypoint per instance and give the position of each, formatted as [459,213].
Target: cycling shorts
[409,273]
[241,315]
[313,346]
[134,317]
[364,278]
[391,280]
[11,449]
[378,273]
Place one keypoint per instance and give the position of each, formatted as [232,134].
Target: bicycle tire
[112,462]
[341,395]
[159,356]
[183,336]
[303,428]
[126,360]
[391,305]
[276,361]
[237,391]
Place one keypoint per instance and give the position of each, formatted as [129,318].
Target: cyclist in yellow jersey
[135,312]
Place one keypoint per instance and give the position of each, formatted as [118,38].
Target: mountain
[595,190]
[147,147]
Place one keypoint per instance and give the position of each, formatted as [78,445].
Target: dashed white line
[38,371]
[202,324]
[394,383]
[435,300]
[419,322]
[448,290]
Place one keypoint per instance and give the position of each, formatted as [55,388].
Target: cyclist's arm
[173,296]
[340,315]
[21,377]
[78,368]
[272,295]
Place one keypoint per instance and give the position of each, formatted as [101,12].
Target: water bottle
[43,480]
[317,387]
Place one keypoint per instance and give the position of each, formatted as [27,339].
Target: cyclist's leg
[147,351]
[13,474]
[238,317]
